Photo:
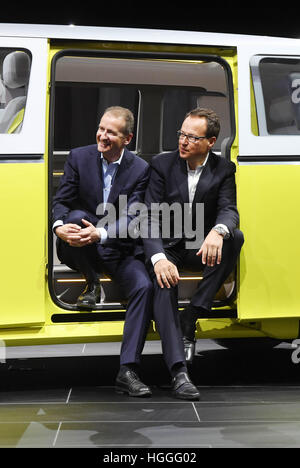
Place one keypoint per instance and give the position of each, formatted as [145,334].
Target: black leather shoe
[128,382]
[183,388]
[89,297]
[189,349]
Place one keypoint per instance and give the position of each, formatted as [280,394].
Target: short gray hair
[126,114]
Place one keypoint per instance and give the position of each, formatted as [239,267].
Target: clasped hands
[211,251]
[76,236]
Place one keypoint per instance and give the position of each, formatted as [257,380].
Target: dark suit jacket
[81,186]
[216,189]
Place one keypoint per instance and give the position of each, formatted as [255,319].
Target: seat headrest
[16,69]
[281,110]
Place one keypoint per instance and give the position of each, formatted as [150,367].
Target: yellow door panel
[268,202]
[22,243]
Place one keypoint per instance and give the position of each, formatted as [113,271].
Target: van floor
[63,396]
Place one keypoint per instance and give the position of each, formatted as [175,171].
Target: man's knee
[145,286]
[169,293]
[238,238]
[75,217]
[135,279]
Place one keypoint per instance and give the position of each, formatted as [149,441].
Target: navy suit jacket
[216,189]
[81,186]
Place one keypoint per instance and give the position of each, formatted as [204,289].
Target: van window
[15,68]
[23,97]
[276,83]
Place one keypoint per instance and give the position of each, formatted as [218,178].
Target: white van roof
[94,33]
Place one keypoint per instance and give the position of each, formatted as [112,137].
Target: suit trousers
[165,305]
[128,272]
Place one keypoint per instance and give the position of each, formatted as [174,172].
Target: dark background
[273,20]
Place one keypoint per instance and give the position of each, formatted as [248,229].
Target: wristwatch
[220,230]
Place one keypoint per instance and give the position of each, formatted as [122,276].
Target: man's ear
[128,138]
[212,141]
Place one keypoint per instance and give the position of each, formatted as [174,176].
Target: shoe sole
[120,390]
[188,397]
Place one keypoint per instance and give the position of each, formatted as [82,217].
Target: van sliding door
[23,69]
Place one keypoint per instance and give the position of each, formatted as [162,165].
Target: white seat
[15,77]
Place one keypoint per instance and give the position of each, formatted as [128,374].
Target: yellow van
[55,81]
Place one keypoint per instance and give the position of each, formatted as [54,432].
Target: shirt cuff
[57,223]
[103,235]
[158,256]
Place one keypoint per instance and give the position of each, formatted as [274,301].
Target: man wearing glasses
[190,176]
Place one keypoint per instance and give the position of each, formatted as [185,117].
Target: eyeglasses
[190,138]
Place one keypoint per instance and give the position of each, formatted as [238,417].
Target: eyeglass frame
[190,138]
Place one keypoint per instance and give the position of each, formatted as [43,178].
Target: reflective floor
[63,396]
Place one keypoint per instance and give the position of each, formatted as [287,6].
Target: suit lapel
[120,177]
[93,169]
[99,179]
[204,182]
[182,179]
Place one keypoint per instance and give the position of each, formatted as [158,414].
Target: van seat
[15,77]
[68,284]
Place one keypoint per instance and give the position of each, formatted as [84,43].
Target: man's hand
[211,249]
[67,231]
[166,273]
[88,235]
[76,236]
